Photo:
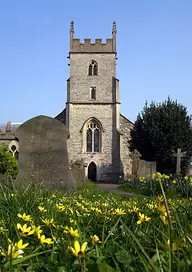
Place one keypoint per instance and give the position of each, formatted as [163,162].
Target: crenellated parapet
[76,46]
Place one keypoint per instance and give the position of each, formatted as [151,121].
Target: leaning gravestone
[43,156]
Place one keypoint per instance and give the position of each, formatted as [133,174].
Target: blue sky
[154,45]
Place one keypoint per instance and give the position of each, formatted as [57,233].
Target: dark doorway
[92,171]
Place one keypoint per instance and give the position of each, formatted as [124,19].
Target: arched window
[93,68]
[93,136]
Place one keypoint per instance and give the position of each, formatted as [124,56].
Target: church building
[99,133]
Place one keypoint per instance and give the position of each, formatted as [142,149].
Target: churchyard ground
[92,230]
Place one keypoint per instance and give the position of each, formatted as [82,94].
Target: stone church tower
[92,111]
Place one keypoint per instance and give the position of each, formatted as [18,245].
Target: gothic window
[93,93]
[93,137]
[93,68]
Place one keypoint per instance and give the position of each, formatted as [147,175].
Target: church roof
[126,119]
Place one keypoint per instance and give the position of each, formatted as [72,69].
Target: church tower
[93,107]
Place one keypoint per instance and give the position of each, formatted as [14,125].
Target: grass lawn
[93,231]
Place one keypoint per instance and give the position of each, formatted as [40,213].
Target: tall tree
[159,130]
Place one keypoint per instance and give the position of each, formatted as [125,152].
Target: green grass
[161,242]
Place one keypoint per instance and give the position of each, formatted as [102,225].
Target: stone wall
[79,114]
[125,127]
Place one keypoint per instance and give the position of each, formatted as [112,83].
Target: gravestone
[146,169]
[179,155]
[135,156]
[43,156]
[78,169]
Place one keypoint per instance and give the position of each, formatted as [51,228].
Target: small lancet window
[93,93]
[93,68]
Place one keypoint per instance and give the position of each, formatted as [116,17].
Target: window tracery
[93,68]
[93,136]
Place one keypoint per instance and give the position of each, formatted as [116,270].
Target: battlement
[87,46]
[76,46]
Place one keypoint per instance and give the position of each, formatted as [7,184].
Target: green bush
[8,163]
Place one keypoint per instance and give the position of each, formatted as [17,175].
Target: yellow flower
[14,251]
[143,218]
[20,245]
[165,176]
[174,181]
[41,209]
[186,178]
[161,204]
[2,230]
[141,179]
[164,218]
[119,211]
[48,222]
[60,207]
[134,209]
[44,240]
[13,195]
[95,239]
[25,231]
[72,232]
[78,251]
[25,217]
[38,229]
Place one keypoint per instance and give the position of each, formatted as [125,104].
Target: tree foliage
[159,130]
[8,163]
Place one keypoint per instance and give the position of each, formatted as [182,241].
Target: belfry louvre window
[93,68]
[93,93]
[93,137]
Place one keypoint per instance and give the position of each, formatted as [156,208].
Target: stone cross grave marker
[179,155]
[135,156]
[43,155]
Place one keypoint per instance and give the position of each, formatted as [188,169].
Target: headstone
[78,169]
[179,155]
[135,156]
[43,156]
[146,169]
